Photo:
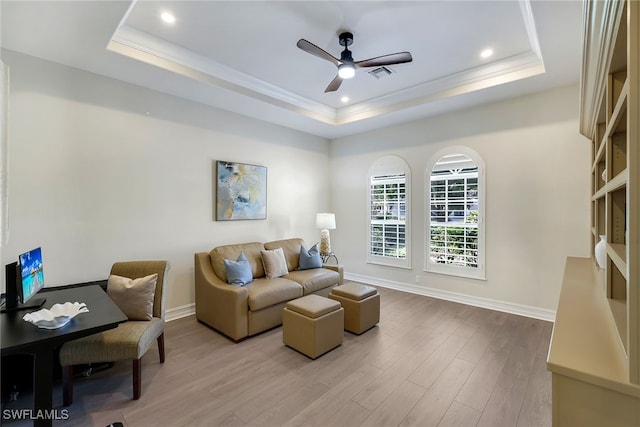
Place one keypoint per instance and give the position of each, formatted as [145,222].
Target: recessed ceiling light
[486,53]
[344,99]
[168,17]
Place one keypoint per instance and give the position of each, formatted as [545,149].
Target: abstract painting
[241,191]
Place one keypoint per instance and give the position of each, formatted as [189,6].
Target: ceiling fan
[346,65]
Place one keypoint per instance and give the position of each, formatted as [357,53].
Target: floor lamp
[325,222]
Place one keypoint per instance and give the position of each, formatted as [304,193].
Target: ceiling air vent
[381,72]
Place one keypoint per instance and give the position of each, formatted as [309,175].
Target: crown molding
[155,51]
[499,72]
[599,43]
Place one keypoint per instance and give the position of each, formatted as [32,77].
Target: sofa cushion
[315,279]
[309,258]
[291,249]
[267,292]
[238,272]
[251,251]
[274,263]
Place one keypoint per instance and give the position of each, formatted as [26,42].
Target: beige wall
[537,197]
[95,179]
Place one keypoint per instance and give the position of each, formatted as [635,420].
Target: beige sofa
[241,311]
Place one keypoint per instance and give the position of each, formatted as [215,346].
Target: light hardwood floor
[428,363]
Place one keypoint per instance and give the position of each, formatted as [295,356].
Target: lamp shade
[326,221]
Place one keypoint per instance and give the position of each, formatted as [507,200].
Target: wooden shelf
[585,344]
[618,181]
[618,115]
[614,184]
[594,355]
[599,154]
[618,254]
[599,194]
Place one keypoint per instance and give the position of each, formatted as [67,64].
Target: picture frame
[241,191]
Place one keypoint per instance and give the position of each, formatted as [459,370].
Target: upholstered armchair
[130,340]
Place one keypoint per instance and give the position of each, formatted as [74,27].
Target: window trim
[390,165]
[455,270]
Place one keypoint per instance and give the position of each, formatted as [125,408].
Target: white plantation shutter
[454,232]
[388,212]
[453,219]
[387,216]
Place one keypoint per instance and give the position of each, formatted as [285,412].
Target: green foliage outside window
[388,216]
[454,245]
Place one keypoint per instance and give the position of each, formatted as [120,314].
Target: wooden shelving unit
[614,135]
[599,309]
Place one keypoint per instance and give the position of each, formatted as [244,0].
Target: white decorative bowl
[57,316]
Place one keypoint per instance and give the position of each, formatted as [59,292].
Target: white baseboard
[507,307]
[179,312]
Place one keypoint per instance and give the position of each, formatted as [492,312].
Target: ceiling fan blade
[393,58]
[334,85]
[311,48]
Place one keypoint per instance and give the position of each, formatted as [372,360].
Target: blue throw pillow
[239,271]
[309,259]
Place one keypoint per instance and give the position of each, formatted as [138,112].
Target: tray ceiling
[242,55]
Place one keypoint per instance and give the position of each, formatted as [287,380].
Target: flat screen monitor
[23,281]
[31,274]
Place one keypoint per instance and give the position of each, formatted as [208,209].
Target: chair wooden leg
[137,378]
[67,385]
[161,347]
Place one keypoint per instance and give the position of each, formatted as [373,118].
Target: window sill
[403,265]
[462,274]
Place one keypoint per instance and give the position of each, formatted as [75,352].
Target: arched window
[389,179]
[454,233]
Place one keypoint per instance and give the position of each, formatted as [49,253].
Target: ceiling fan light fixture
[346,65]
[346,71]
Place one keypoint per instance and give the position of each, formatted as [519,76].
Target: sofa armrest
[338,268]
[218,304]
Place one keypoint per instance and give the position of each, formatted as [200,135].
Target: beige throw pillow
[133,296]
[274,263]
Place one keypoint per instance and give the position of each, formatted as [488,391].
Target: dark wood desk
[20,337]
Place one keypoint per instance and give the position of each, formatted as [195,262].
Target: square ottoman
[361,305]
[312,325]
